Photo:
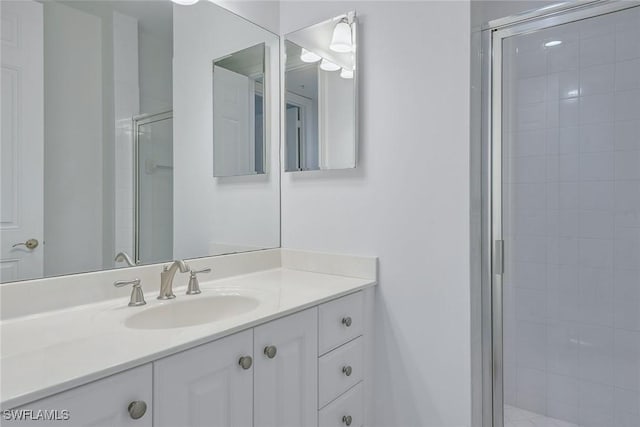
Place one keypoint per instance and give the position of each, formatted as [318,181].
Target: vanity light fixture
[553,43]
[308,56]
[346,74]
[185,2]
[327,65]
[341,40]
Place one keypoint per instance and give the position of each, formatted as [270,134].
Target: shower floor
[516,417]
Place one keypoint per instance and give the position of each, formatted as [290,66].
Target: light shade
[185,2]
[346,74]
[553,43]
[341,40]
[327,65]
[308,56]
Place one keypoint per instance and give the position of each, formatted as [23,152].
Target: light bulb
[346,74]
[327,65]
[308,56]
[553,43]
[185,2]
[341,40]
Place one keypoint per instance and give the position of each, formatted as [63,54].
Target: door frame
[492,249]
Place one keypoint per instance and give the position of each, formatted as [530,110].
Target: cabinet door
[100,403]
[205,386]
[286,384]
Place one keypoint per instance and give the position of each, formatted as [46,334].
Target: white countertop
[50,352]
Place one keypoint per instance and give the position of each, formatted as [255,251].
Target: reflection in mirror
[238,113]
[321,96]
[106,137]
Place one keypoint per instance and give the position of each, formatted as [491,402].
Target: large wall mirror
[321,126]
[108,135]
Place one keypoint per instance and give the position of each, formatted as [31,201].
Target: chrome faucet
[166,278]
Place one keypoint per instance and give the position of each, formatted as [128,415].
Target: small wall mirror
[321,96]
[238,113]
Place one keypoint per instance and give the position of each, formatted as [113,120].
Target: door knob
[30,244]
[137,409]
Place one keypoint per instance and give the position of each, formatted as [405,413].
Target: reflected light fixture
[185,2]
[346,74]
[341,40]
[327,65]
[553,43]
[308,56]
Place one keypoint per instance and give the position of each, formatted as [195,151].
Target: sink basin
[196,310]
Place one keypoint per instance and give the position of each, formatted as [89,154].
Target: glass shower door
[570,207]
[154,188]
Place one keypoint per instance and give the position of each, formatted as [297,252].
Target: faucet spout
[123,256]
[166,278]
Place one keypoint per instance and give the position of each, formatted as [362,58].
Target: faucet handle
[194,285]
[137,296]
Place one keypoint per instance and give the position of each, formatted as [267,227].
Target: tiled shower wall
[571,126]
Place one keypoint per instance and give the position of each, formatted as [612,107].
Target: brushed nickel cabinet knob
[347,420]
[346,321]
[347,370]
[245,362]
[137,409]
[270,351]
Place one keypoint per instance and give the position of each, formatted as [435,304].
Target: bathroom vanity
[282,338]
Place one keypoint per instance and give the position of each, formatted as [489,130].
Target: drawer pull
[245,362]
[347,420]
[270,351]
[137,409]
[346,321]
[346,370]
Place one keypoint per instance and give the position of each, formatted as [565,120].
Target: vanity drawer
[340,370]
[337,413]
[340,321]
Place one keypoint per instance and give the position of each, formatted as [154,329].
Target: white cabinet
[206,386]
[342,362]
[274,375]
[101,403]
[286,371]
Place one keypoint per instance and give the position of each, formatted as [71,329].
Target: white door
[233,123]
[122,400]
[22,146]
[286,375]
[206,386]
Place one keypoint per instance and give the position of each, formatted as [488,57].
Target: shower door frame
[492,250]
[137,122]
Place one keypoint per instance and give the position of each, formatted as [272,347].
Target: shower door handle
[498,257]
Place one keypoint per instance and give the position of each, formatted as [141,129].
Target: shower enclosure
[153,187]
[562,217]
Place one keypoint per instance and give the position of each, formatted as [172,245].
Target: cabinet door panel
[206,386]
[100,403]
[286,389]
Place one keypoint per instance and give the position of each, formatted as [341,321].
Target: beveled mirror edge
[353,16]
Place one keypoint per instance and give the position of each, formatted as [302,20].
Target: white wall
[73,140]
[407,202]
[212,213]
